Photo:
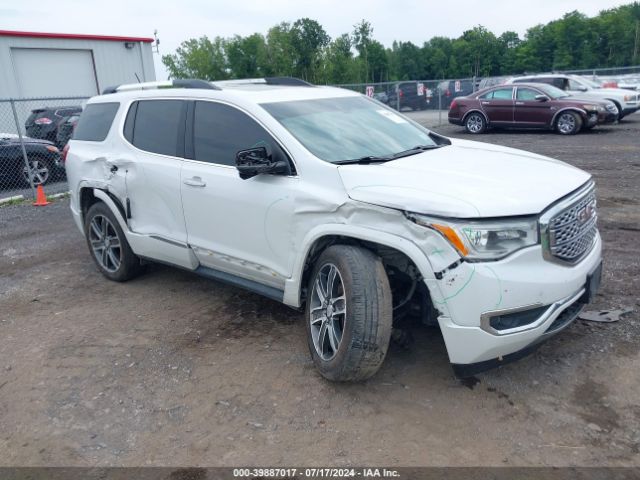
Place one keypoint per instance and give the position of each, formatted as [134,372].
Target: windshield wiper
[415,150]
[380,159]
[364,160]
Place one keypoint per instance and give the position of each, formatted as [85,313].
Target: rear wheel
[108,244]
[568,123]
[475,123]
[349,313]
[40,170]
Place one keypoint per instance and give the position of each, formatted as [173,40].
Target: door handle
[519,103]
[195,182]
[486,103]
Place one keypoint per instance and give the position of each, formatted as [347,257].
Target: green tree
[246,56]
[198,58]
[308,39]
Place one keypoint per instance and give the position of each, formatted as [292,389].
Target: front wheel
[40,171]
[475,123]
[568,123]
[349,313]
[108,244]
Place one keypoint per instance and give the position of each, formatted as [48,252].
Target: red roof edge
[74,36]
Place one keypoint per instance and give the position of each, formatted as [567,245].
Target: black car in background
[450,89]
[44,122]
[65,130]
[45,164]
[409,96]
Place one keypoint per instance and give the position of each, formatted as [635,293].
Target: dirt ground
[172,369]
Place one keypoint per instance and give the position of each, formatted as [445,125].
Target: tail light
[447,92]
[400,93]
[65,152]
[43,121]
[454,104]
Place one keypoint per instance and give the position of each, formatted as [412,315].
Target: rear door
[149,169]
[531,112]
[239,227]
[498,105]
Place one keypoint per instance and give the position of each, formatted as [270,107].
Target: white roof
[245,92]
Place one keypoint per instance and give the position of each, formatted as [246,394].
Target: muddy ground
[173,369]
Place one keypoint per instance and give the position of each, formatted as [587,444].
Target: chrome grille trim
[565,235]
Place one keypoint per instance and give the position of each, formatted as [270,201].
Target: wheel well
[405,280]
[572,110]
[617,104]
[464,119]
[87,199]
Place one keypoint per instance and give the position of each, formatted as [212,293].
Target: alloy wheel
[475,123]
[328,311]
[105,243]
[566,123]
[39,172]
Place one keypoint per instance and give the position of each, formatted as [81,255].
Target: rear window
[157,127]
[95,122]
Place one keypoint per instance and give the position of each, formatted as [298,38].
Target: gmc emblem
[585,214]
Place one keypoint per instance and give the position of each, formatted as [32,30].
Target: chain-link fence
[417,94]
[33,134]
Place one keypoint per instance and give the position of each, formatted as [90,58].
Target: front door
[240,227]
[532,112]
[498,105]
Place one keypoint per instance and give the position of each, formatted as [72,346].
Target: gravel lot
[173,369]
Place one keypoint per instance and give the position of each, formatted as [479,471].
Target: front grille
[572,232]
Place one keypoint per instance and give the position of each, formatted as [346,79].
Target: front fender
[293,286]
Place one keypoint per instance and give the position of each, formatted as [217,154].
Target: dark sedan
[529,105]
[43,157]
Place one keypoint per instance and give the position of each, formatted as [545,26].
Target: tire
[356,321]
[568,123]
[42,171]
[475,123]
[121,264]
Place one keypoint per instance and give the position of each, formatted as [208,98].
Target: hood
[13,139]
[464,180]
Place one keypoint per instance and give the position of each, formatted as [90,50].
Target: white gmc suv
[324,198]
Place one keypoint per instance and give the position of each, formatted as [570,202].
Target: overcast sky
[406,20]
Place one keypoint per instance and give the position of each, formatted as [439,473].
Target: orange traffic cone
[41,198]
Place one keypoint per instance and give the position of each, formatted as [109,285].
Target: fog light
[516,319]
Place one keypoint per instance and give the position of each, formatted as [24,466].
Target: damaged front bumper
[496,312]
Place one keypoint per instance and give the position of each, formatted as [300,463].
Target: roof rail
[288,81]
[177,83]
[283,81]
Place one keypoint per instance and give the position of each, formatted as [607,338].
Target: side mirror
[255,161]
[541,98]
[582,89]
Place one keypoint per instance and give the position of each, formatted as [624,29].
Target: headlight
[484,240]
[590,108]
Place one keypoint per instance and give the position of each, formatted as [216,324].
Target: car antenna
[137,77]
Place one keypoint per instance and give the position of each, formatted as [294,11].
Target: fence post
[24,151]
[439,106]
[397,87]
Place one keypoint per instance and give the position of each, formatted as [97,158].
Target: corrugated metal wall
[114,64]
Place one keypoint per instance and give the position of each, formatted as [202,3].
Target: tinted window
[526,94]
[158,125]
[499,94]
[95,122]
[220,131]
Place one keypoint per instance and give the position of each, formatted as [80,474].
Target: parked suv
[411,95]
[44,122]
[43,159]
[323,198]
[626,101]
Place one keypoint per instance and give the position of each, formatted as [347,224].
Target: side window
[573,85]
[95,122]
[487,96]
[220,131]
[503,94]
[526,94]
[158,126]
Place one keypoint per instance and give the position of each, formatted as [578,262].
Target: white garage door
[44,72]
